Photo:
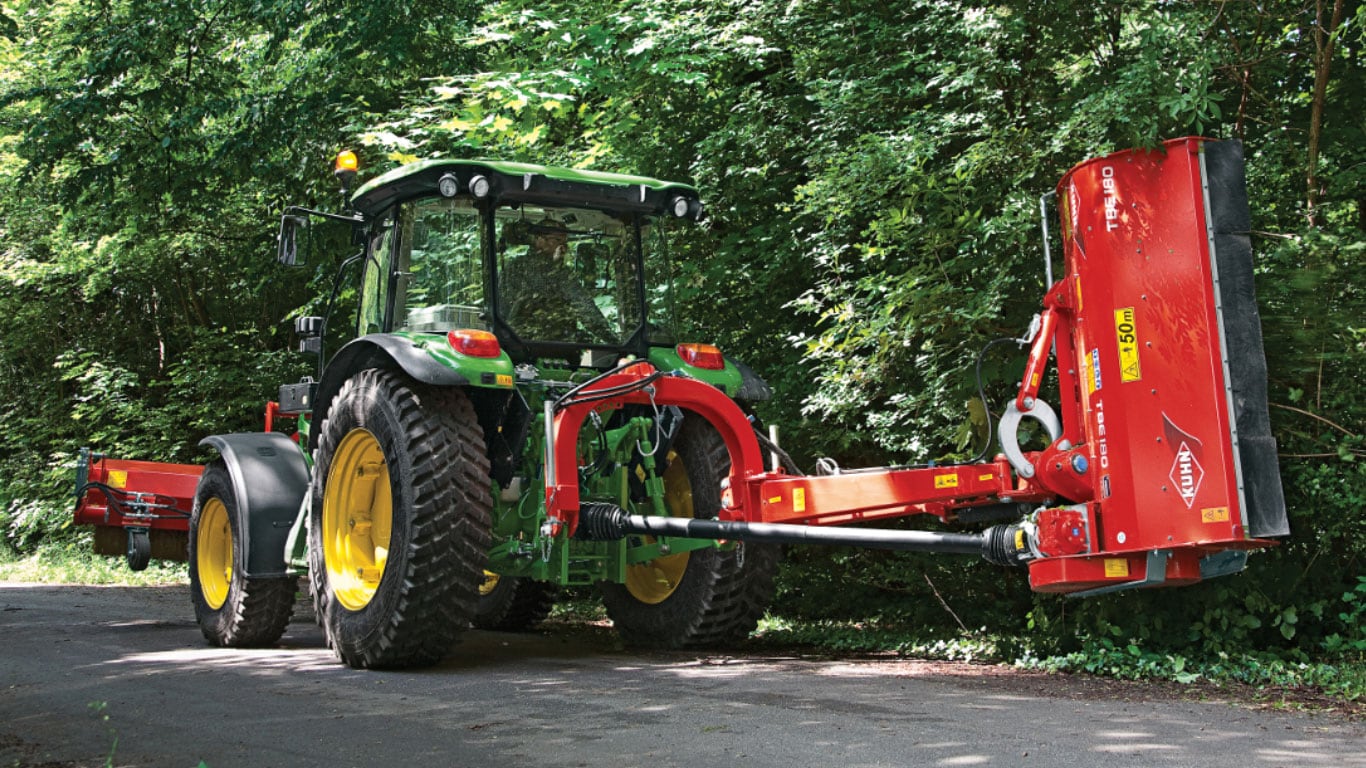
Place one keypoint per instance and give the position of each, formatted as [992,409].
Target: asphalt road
[73,656]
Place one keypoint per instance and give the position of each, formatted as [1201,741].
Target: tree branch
[1311,415]
[945,604]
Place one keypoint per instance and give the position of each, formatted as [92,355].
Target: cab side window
[375,279]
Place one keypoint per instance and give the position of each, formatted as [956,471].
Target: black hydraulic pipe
[608,522]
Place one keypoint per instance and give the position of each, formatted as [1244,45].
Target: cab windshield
[567,275]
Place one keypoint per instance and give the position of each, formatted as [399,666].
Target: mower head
[1162,371]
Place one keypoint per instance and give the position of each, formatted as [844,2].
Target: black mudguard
[1230,234]
[270,479]
[378,350]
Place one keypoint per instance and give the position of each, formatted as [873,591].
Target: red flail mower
[1160,468]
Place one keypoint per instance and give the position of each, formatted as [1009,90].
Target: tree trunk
[1324,40]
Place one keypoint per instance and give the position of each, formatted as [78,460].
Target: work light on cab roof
[346,163]
[345,169]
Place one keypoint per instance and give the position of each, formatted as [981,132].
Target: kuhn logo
[1186,474]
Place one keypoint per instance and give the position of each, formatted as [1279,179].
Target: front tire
[399,525]
[705,597]
[232,610]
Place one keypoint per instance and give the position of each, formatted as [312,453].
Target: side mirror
[287,243]
[309,330]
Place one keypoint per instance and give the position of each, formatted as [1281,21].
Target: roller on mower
[514,414]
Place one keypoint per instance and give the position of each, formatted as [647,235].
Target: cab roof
[512,182]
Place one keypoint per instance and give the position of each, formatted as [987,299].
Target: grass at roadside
[66,563]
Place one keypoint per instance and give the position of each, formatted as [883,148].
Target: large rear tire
[512,604]
[705,597]
[232,610]
[399,520]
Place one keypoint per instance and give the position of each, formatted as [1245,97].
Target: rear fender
[378,351]
[270,480]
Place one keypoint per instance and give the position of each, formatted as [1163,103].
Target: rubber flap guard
[1230,224]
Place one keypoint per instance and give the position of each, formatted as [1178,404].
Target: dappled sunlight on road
[1133,748]
[253,660]
[717,670]
[1297,753]
[1160,732]
[515,699]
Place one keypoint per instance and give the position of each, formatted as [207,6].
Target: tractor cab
[558,267]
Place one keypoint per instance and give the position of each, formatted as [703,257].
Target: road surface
[121,675]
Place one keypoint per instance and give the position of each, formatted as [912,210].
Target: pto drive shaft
[608,522]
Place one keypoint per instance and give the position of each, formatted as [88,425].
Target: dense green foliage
[871,171]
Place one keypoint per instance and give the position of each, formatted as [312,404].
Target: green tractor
[413,494]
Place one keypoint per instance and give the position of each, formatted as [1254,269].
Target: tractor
[514,414]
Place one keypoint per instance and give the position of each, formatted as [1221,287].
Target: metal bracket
[1225,563]
[1008,427]
[1156,575]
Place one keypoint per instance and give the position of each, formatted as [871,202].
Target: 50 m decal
[1126,333]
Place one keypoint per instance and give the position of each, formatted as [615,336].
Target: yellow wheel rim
[655,581]
[489,584]
[358,517]
[213,552]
